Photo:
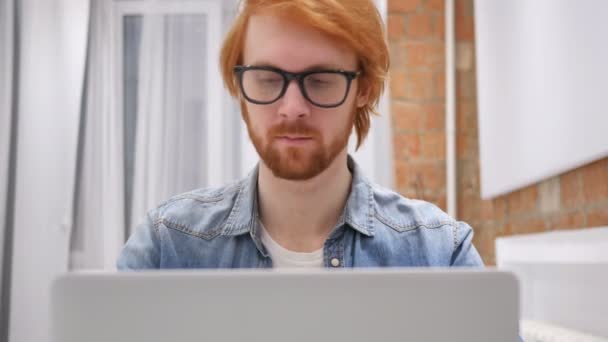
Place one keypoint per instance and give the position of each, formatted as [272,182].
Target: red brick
[397,84]
[396,55]
[419,26]
[439,27]
[407,117]
[469,206]
[433,145]
[403,178]
[465,30]
[487,210]
[465,56]
[570,221]
[465,85]
[402,5]
[525,226]
[598,217]
[407,145]
[500,208]
[434,5]
[505,229]
[414,182]
[419,85]
[429,175]
[435,117]
[570,189]
[534,225]
[463,8]
[417,117]
[523,201]
[439,85]
[468,176]
[396,26]
[466,146]
[424,55]
[441,202]
[466,116]
[432,196]
[484,240]
[595,181]
[407,192]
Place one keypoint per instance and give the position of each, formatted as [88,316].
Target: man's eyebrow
[308,68]
[323,67]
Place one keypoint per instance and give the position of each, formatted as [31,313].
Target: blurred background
[495,111]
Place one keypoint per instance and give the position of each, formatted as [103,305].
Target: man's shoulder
[402,214]
[202,196]
[441,239]
[201,212]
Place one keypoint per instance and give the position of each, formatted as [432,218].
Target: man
[306,72]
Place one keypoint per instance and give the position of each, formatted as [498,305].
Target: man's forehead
[307,67]
[277,41]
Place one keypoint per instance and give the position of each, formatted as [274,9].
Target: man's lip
[290,137]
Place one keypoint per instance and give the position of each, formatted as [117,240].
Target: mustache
[293,128]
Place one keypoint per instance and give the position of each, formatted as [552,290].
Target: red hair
[355,23]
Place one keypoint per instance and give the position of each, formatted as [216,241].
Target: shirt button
[335,262]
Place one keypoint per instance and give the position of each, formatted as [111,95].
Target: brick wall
[415,27]
[416,39]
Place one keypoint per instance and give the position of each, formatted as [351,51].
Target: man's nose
[293,105]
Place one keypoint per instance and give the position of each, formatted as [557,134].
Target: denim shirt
[219,228]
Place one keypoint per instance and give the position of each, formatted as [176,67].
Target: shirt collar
[358,212]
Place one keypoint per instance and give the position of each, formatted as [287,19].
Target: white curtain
[170,144]
[6,79]
[100,206]
[146,131]
[52,46]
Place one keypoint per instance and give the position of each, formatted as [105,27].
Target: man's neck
[300,215]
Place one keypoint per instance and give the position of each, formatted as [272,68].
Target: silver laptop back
[350,305]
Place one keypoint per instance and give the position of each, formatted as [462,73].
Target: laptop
[356,305]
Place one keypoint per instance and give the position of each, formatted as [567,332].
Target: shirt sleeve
[465,254]
[142,250]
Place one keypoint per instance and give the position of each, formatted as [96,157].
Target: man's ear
[362,95]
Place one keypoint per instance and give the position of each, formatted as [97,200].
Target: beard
[298,162]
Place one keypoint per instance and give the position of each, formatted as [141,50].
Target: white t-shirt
[284,258]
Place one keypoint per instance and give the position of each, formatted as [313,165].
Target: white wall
[563,276]
[542,71]
[52,63]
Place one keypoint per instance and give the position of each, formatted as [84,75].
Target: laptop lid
[253,305]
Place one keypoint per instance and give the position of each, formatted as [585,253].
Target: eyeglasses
[322,88]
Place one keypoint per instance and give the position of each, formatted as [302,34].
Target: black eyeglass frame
[297,76]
